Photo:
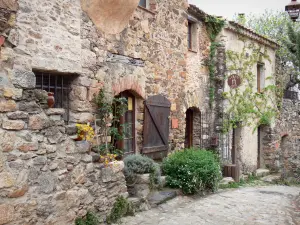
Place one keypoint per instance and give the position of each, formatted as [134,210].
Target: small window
[260,77]
[57,85]
[143,3]
[190,35]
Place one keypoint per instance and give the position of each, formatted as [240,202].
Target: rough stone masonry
[45,176]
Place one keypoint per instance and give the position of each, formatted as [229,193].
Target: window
[143,3]
[57,85]
[260,77]
[127,124]
[190,35]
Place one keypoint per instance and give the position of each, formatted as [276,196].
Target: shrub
[89,219]
[192,170]
[120,209]
[139,164]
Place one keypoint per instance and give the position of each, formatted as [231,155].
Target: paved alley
[272,205]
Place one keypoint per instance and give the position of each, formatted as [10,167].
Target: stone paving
[270,205]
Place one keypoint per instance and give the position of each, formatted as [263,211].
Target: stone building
[73,49]
[250,142]
[153,54]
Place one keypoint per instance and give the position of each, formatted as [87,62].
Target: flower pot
[51,100]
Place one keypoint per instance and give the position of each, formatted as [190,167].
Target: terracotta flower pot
[51,100]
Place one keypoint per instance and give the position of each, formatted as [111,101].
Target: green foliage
[140,164]
[192,170]
[214,26]
[89,219]
[110,112]
[245,104]
[120,209]
[278,26]
[250,181]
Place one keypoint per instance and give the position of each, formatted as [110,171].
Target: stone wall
[285,156]
[45,176]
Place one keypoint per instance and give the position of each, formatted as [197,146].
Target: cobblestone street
[272,205]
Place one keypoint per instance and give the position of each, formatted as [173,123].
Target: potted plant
[85,133]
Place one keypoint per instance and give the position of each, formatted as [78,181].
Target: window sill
[190,50]
[146,10]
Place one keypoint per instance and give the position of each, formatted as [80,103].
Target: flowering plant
[85,132]
[106,159]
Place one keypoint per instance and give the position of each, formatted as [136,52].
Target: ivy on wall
[245,104]
[214,26]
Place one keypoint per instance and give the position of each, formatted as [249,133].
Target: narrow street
[270,205]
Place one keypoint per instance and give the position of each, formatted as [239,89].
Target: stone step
[139,204]
[158,197]
[227,180]
[262,172]
[271,178]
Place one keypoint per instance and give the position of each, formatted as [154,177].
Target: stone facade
[249,154]
[45,176]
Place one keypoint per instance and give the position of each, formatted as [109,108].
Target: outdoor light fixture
[293,10]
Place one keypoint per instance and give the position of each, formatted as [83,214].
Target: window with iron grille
[143,3]
[58,85]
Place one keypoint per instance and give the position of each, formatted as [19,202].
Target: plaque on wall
[234,81]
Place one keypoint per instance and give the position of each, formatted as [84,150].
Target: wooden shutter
[156,126]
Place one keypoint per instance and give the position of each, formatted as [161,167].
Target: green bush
[192,170]
[140,164]
[120,209]
[89,219]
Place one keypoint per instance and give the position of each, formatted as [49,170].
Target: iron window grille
[59,85]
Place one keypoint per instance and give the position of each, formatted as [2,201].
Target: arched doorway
[193,128]
[126,125]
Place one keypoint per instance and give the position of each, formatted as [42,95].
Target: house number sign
[234,81]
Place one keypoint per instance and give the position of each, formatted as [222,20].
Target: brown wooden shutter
[156,126]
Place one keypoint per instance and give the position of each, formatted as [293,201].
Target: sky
[227,8]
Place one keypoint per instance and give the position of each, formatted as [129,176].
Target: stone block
[7,105]
[81,117]
[19,192]
[79,93]
[24,78]
[82,146]
[13,124]
[46,183]
[31,107]
[7,213]
[227,180]
[38,122]
[13,93]
[86,158]
[55,111]
[30,146]
[6,180]
[17,115]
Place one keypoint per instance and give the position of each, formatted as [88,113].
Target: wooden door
[189,128]
[258,146]
[156,126]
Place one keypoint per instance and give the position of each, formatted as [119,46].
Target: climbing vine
[244,104]
[214,26]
